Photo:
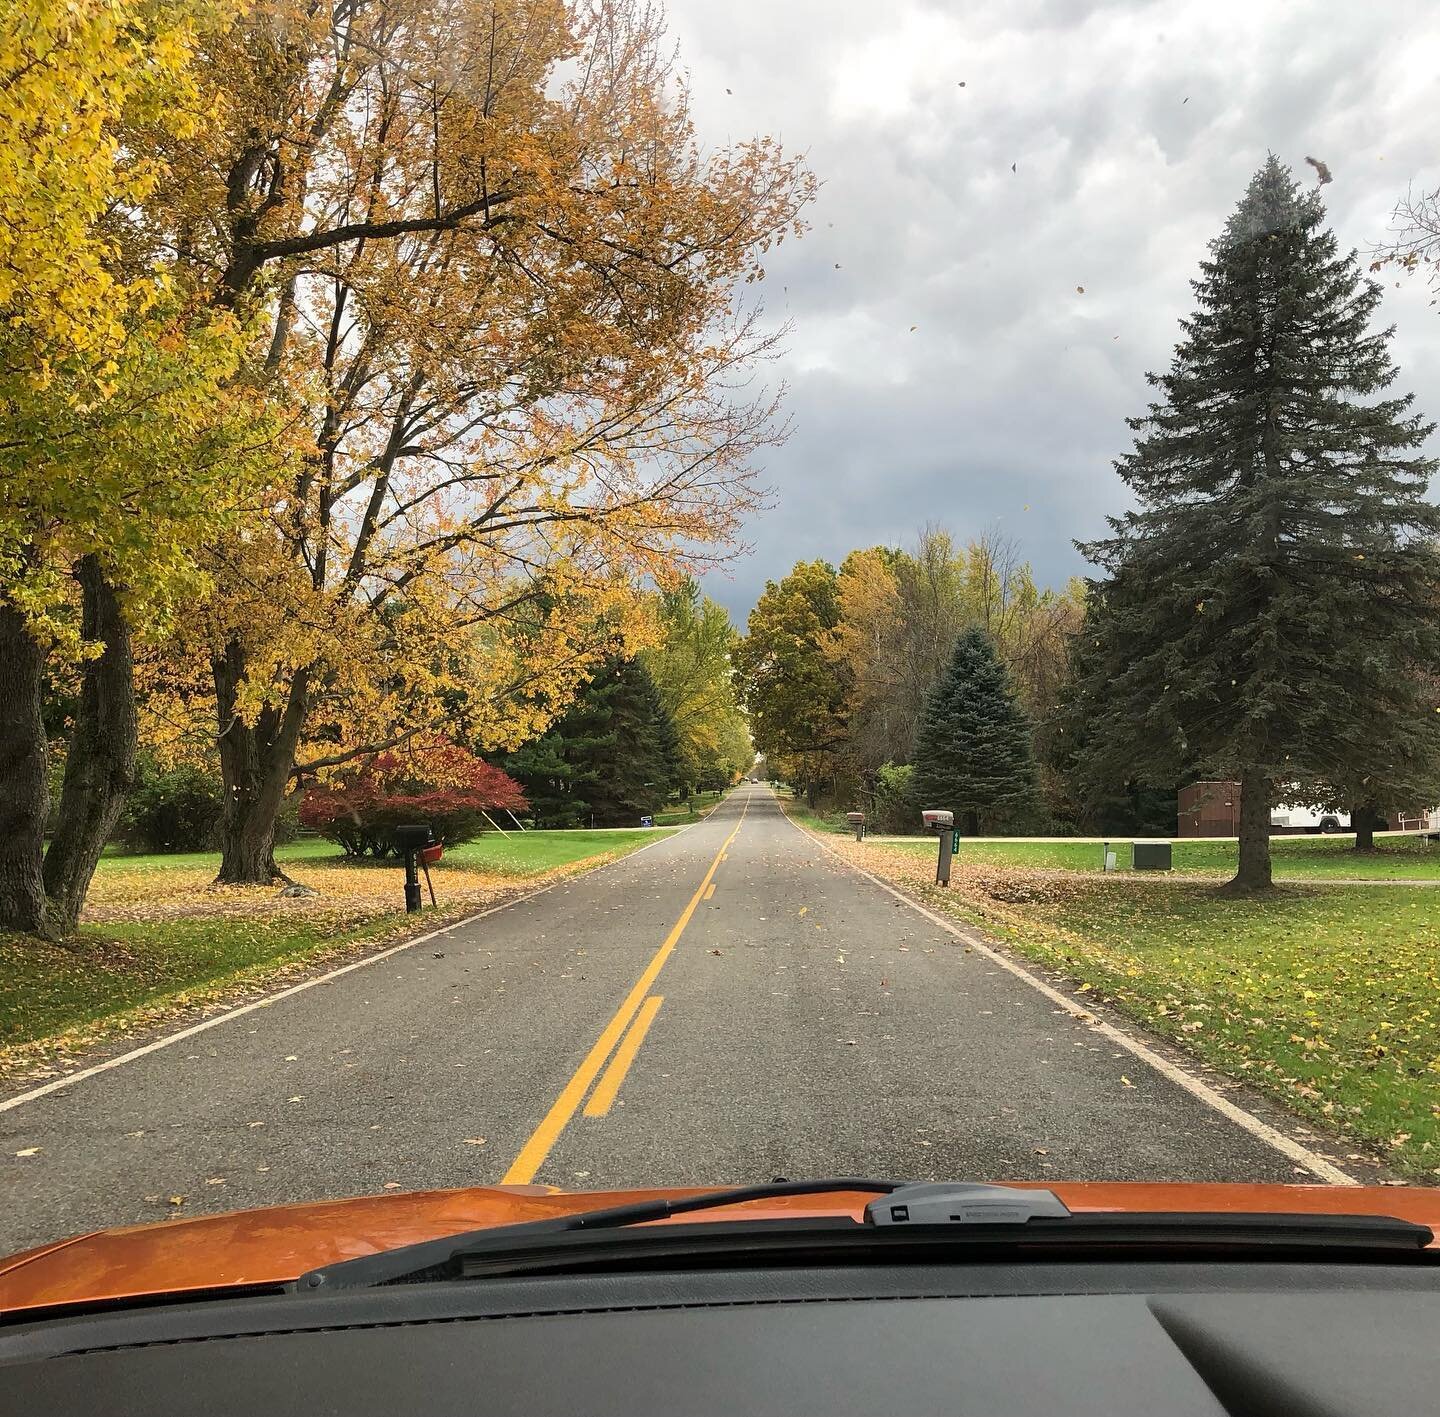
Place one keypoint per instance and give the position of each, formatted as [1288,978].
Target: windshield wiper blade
[838,1241]
[437,1258]
[926,1221]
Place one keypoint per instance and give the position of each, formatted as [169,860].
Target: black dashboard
[1031,1340]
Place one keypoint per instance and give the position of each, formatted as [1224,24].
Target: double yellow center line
[543,1138]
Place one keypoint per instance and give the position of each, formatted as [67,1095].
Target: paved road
[809,1025]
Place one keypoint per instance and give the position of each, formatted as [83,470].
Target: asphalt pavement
[808,1024]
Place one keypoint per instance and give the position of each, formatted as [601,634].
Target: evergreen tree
[973,751]
[611,759]
[1269,605]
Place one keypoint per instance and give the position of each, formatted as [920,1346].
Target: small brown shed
[1209,809]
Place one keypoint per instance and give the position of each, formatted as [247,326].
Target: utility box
[1152,856]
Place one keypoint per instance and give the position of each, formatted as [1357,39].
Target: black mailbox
[410,838]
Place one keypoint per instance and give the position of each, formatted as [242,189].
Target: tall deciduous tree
[692,670]
[789,683]
[973,751]
[1268,603]
[500,274]
[126,444]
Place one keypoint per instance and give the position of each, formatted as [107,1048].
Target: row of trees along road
[839,669]
[395,340]
[1268,612]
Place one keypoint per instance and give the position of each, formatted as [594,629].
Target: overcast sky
[1133,129]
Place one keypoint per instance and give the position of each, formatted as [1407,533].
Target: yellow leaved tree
[125,443]
[501,281]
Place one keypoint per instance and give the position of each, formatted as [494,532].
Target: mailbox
[413,838]
[857,823]
[941,822]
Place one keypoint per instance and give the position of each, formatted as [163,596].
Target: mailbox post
[857,820]
[938,820]
[412,839]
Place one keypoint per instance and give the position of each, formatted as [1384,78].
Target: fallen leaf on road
[474,1141]
[254,1124]
[262,1168]
[392,1185]
[1041,1151]
[714,952]
[176,1200]
[291,1058]
[804,910]
[294,1099]
[849,1042]
[1126,1080]
[27,1151]
[140,1133]
[214,1180]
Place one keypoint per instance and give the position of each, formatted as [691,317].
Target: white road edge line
[1203,1092]
[300,988]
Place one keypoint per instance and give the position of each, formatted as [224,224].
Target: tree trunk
[255,764]
[1254,872]
[24,779]
[100,767]
[1363,818]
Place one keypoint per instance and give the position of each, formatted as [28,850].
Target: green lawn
[533,852]
[160,933]
[682,815]
[116,968]
[1331,999]
[1294,857]
[518,853]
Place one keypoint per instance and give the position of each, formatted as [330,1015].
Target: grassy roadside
[1396,858]
[703,803]
[158,934]
[1327,999]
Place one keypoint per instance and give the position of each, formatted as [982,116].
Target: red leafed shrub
[441,785]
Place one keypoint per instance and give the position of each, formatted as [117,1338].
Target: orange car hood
[250,1247]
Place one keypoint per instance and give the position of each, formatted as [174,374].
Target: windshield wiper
[436,1258]
[924,1222]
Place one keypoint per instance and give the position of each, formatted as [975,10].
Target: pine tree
[973,751]
[611,759]
[1268,612]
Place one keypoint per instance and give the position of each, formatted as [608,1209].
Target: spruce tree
[1268,612]
[612,758]
[973,749]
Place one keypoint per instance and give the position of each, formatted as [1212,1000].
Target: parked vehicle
[1297,817]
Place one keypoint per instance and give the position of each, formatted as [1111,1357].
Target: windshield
[611,597]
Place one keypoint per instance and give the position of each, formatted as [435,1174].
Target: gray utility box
[1152,856]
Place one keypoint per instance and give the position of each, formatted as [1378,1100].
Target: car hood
[277,1244]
